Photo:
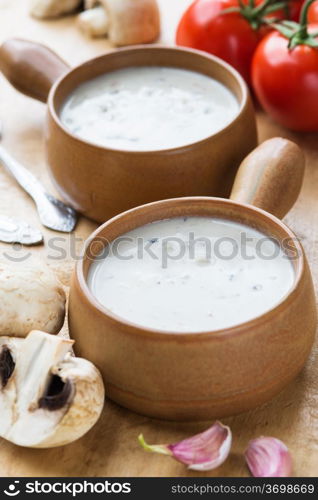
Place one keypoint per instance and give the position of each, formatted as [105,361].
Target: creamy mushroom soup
[148,108]
[191,274]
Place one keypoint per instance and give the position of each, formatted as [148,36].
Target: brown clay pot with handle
[197,376]
[101,182]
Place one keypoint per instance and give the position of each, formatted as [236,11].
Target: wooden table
[111,448]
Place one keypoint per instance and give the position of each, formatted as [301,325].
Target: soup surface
[191,274]
[148,108]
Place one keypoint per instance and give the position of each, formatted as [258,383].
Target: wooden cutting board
[111,448]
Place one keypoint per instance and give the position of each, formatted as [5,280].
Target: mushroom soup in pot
[148,108]
[189,274]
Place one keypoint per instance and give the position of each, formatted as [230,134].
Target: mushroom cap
[30,298]
[89,4]
[132,21]
[87,404]
[44,9]
[51,397]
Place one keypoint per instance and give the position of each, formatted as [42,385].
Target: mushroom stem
[94,22]
[39,354]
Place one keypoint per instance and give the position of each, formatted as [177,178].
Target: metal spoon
[14,230]
[53,213]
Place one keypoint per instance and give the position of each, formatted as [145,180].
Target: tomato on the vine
[231,29]
[285,74]
[313,12]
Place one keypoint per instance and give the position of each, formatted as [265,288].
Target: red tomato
[229,36]
[313,13]
[294,8]
[291,11]
[286,81]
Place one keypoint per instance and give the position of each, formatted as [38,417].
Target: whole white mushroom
[31,298]
[126,22]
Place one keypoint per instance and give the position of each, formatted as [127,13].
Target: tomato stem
[297,33]
[304,15]
[256,15]
[275,6]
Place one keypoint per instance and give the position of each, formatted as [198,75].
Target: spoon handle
[27,181]
[53,213]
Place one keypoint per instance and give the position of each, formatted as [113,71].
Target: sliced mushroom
[9,347]
[7,365]
[30,298]
[46,9]
[127,22]
[48,397]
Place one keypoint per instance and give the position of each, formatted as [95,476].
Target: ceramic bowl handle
[270,177]
[30,67]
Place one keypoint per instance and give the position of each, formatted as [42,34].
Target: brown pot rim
[217,335]
[152,47]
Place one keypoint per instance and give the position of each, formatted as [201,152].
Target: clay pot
[186,376]
[101,182]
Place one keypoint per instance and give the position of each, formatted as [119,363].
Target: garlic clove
[268,457]
[204,451]
[48,397]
